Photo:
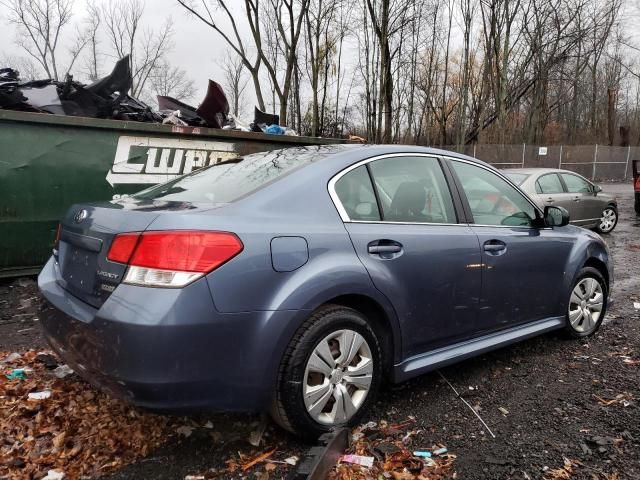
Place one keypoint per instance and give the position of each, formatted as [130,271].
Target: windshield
[516,178]
[228,181]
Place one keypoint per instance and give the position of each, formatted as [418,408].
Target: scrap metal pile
[108,98]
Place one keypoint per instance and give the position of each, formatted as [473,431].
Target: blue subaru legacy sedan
[297,280]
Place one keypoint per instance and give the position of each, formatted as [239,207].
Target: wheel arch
[589,251]
[599,265]
[383,325]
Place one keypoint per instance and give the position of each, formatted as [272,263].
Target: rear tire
[609,220]
[587,304]
[314,396]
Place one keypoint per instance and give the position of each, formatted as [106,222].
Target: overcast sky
[196,50]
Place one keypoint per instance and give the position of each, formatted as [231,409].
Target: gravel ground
[554,391]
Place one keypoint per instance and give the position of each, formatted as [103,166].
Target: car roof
[347,154]
[533,171]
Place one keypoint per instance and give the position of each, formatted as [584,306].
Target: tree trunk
[612,99]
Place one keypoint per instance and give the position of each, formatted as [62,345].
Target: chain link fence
[596,162]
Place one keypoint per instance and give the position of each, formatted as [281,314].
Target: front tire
[587,304]
[609,220]
[330,373]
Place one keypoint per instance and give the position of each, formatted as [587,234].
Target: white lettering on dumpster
[151,160]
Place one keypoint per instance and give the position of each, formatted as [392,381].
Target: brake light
[172,258]
[122,247]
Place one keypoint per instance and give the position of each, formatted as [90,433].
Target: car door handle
[384,249]
[550,200]
[495,247]
[576,199]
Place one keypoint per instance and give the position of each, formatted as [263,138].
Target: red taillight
[172,258]
[185,251]
[122,247]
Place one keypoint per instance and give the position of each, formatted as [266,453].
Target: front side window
[493,201]
[356,195]
[576,184]
[549,184]
[412,190]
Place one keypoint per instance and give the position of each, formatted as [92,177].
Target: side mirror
[555,216]
[597,189]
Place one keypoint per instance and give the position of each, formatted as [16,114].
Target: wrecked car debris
[106,98]
[109,98]
[215,107]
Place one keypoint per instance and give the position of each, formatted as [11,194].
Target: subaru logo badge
[80,215]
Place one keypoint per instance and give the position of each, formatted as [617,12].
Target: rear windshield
[516,178]
[228,181]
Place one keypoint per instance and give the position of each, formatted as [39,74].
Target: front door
[523,266]
[584,195]
[407,235]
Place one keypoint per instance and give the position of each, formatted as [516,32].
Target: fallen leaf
[260,458]
[58,440]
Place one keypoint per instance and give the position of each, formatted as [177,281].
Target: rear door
[584,196]
[406,233]
[522,266]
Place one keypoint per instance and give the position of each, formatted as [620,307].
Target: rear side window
[549,183]
[576,184]
[226,182]
[492,200]
[412,190]
[355,192]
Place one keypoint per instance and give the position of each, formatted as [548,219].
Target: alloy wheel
[337,377]
[585,305]
[608,220]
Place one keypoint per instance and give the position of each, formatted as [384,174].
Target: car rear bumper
[168,349]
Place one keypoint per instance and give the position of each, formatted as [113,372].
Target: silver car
[587,205]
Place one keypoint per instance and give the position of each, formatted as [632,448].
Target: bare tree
[235,82]
[251,57]
[40,25]
[275,27]
[368,66]
[321,42]
[389,19]
[171,81]
[94,20]
[467,11]
[27,68]
[284,17]
[126,36]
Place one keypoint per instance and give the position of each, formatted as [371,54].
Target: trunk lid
[87,231]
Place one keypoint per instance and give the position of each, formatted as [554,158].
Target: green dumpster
[48,162]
